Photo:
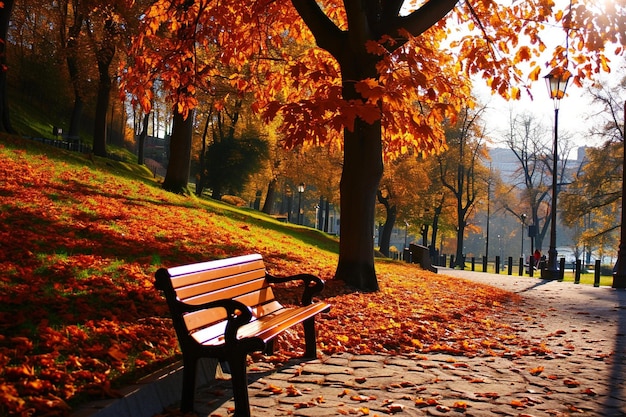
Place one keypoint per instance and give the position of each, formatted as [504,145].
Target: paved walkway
[584,330]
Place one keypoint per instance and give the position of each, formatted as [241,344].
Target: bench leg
[239,379]
[309,338]
[189,384]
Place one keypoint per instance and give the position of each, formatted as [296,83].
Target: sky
[576,108]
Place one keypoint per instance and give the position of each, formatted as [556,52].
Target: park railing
[421,255]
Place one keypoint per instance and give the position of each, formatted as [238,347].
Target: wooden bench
[225,309]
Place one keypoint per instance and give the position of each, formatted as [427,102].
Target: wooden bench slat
[216,274]
[217,263]
[216,285]
[206,271]
[260,301]
[267,328]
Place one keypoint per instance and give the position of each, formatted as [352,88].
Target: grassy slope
[80,242]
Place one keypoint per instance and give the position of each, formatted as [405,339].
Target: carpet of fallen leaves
[79,315]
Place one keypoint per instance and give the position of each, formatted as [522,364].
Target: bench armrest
[312,285]
[237,314]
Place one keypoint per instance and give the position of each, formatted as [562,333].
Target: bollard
[452,261]
[520,270]
[596,274]
[577,272]
[442,260]
[484,263]
[510,268]
[473,264]
[561,269]
[497,264]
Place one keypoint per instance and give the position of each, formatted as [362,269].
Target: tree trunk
[362,171]
[104,56]
[142,140]
[5,17]
[74,72]
[387,229]
[102,105]
[201,177]
[460,256]
[270,197]
[177,176]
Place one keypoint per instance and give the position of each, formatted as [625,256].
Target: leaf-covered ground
[79,315]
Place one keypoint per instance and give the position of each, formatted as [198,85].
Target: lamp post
[619,276]
[557,83]
[523,219]
[300,191]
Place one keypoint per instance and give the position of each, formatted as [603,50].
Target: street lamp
[557,83]
[300,191]
[523,219]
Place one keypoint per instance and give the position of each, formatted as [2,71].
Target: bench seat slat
[265,328]
[259,303]
[269,327]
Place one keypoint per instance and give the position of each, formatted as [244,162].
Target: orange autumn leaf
[460,405]
[362,398]
[518,403]
[273,389]
[571,383]
[536,371]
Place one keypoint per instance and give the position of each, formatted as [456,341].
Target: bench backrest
[241,278]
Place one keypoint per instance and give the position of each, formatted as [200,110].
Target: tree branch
[327,35]
[423,18]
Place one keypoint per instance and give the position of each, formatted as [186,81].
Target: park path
[581,371]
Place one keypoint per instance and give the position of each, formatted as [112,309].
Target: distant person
[537,256]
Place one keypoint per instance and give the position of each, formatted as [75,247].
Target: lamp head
[556,82]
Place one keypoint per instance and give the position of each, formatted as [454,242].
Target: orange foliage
[422,76]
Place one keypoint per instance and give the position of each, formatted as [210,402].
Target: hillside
[81,239]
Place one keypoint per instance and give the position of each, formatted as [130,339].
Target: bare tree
[461,170]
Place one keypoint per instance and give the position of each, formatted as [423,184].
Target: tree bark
[390,220]
[177,176]
[270,197]
[142,139]
[358,188]
[74,72]
[5,17]
[104,56]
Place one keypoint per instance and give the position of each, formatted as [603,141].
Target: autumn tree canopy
[374,79]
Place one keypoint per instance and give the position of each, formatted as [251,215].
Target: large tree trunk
[177,176]
[362,171]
